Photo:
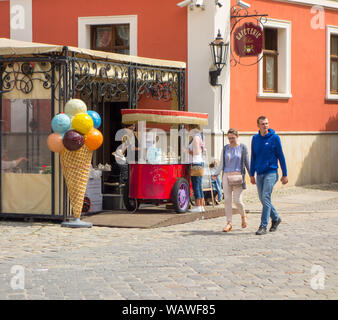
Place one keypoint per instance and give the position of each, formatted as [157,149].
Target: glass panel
[103,37]
[270,39]
[26,159]
[270,72]
[218,55]
[334,45]
[334,76]
[122,35]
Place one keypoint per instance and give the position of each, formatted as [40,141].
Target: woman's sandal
[244,221]
[228,227]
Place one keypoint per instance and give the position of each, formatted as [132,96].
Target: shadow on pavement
[234,232]
[324,187]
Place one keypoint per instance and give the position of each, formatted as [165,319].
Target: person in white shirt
[195,149]
[9,165]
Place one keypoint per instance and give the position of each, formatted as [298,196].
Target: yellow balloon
[82,122]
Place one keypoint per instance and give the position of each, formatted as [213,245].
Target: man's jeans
[265,184]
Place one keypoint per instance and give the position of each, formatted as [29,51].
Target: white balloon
[74,106]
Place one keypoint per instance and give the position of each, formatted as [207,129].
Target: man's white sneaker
[202,209]
[195,209]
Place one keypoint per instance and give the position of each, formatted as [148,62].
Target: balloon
[73,140]
[96,118]
[94,139]
[60,123]
[74,106]
[54,142]
[82,122]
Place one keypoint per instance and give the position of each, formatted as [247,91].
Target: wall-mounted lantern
[219,52]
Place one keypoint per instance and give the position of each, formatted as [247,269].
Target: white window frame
[84,24]
[284,62]
[330,30]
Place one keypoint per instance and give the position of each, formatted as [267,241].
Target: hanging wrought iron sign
[247,36]
[248,40]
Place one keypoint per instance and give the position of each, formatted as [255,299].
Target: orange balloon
[54,142]
[94,139]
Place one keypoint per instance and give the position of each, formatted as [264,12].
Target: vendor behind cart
[196,148]
[127,152]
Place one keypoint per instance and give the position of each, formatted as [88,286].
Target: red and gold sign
[248,40]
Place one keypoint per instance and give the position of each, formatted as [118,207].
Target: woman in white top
[195,149]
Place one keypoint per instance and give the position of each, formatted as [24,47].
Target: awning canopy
[9,47]
[130,116]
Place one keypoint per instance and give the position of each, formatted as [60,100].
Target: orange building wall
[307,110]
[4,19]
[162,26]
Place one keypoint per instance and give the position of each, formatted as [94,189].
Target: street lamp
[219,52]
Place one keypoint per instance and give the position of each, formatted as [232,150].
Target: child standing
[216,184]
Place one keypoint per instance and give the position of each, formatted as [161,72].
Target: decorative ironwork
[156,83]
[238,14]
[23,75]
[107,81]
[100,80]
[27,68]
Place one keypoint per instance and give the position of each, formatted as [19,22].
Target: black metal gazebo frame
[73,73]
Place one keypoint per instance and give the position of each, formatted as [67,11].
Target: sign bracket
[238,14]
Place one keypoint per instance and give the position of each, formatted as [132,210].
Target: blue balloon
[96,118]
[61,123]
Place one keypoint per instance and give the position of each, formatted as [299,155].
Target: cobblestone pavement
[191,261]
[313,198]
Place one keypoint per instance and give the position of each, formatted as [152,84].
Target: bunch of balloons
[74,128]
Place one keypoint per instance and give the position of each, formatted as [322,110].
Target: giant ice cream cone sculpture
[75,137]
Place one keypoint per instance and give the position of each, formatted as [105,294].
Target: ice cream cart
[167,180]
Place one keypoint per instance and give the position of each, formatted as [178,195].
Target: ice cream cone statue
[75,137]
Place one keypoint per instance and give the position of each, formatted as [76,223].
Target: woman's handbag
[235,180]
[196,171]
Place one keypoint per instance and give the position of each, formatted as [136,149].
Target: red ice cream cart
[167,181]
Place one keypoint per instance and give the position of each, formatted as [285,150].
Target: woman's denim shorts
[197,184]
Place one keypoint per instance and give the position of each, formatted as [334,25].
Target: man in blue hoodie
[266,151]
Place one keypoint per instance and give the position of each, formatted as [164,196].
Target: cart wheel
[180,195]
[130,204]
